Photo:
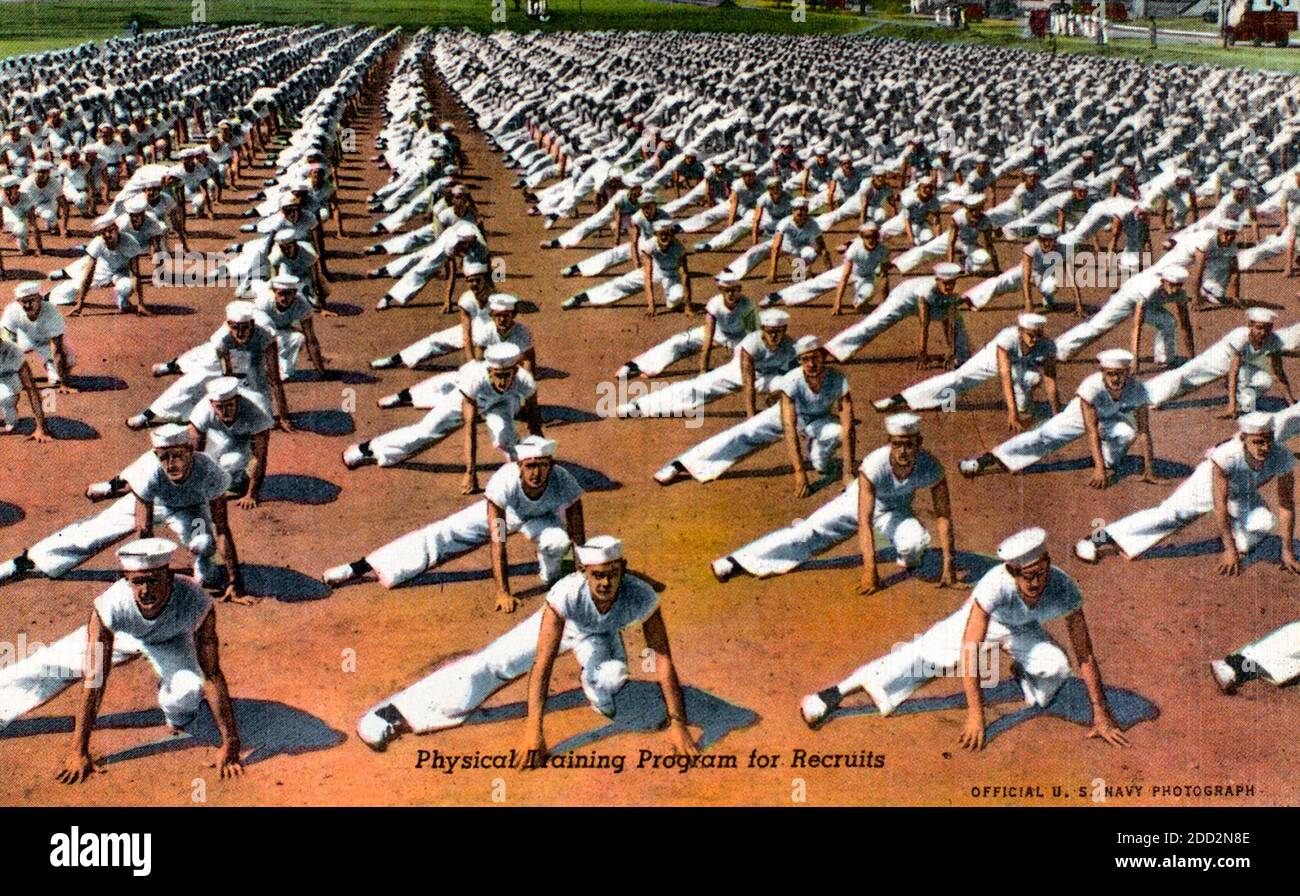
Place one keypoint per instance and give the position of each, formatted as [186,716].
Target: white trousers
[718,453]
[444,698]
[900,303]
[416,552]
[1138,532]
[65,292]
[804,291]
[787,548]
[399,444]
[40,677]
[1210,365]
[686,395]
[658,358]
[1276,655]
[1027,448]
[894,677]
[437,343]
[941,391]
[57,554]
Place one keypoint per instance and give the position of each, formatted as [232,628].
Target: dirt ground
[307,661]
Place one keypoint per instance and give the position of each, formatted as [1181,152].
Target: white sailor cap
[772,182]
[1254,423]
[137,205]
[807,344]
[980,158]
[1079,185]
[145,553]
[473,268]
[222,388]
[1029,170]
[534,447]
[1241,184]
[1115,359]
[748,168]
[1048,230]
[43,165]
[103,222]
[869,227]
[1030,321]
[727,278]
[664,225]
[647,198]
[1261,315]
[905,424]
[500,301]
[9,181]
[1183,174]
[501,355]
[1175,273]
[633,180]
[27,289]
[599,549]
[169,435]
[239,312]
[289,201]
[1024,547]
[973,200]
[800,202]
[947,270]
[773,317]
[286,235]
[879,170]
[285,281]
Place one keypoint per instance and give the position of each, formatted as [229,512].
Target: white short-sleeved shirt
[116,260]
[766,361]
[866,262]
[185,611]
[1008,339]
[998,595]
[48,325]
[1239,341]
[665,264]
[506,490]
[281,319]
[476,385]
[484,332]
[1244,482]
[223,438]
[206,481]
[808,404]
[12,358]
[891,492]
[571,599]
[796,237]
[1093,390]
[732,323]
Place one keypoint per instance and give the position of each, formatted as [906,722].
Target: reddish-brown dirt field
[758,646]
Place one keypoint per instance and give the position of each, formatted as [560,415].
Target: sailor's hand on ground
[506,603]
[972,734]
[1015,423]
[869,584]
[77,767]
[1230,563]
[531,751]
[284,424]
[1151,479]
[41,434]
[233,594]
[1289,564]
[1100,479]
[1108,731]
[682,741]
[228,763]
[801,488]
[469,485]
[949,579]
[63,388]
[248,502]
